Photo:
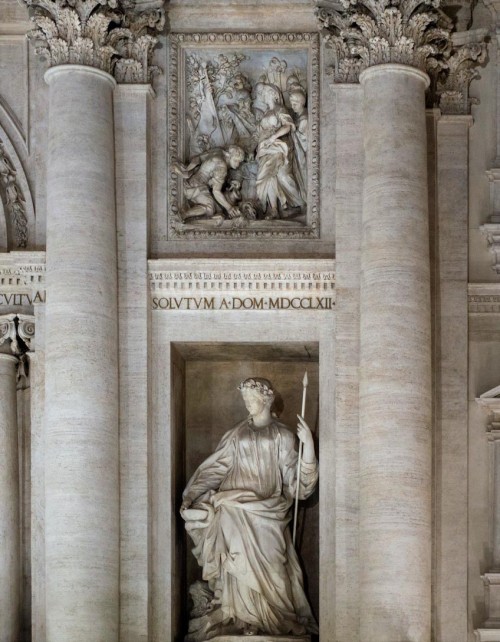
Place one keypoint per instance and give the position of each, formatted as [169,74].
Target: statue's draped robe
[248,486]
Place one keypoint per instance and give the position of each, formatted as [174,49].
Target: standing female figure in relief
[297,97]
[276,184]
[237,510]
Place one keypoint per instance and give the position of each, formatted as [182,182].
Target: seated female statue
[237,510]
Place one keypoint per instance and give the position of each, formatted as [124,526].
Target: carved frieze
[243,153]
[13,199]
[112,35]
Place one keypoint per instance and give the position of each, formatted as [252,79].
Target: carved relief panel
[243,157]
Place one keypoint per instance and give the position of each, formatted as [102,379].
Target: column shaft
[10,548]
[81,457]
[395,351]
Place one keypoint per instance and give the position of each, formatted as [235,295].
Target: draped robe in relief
[248,486]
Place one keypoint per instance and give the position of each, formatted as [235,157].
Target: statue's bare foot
[250,629]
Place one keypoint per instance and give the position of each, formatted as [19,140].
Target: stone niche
[195,372]
[207,404]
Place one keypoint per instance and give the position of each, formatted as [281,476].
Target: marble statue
[237,511]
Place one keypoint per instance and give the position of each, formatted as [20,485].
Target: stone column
[395,358]
[81,371]
[82,483]
[10,549]
[376,44]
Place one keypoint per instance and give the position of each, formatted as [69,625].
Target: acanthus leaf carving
[452,88]
[368,32]
[364,33]
[107,34]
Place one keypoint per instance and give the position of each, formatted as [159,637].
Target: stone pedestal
[81,373]
[10,551]
[395,361]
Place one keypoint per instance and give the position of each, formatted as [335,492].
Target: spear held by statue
[305,382]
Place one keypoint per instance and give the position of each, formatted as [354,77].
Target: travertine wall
[465,347]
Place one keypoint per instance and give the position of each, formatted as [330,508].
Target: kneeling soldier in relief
[205,177]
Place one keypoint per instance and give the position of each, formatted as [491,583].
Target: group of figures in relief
[247,142]
[237,512]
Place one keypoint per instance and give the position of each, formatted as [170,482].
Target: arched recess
[17,224]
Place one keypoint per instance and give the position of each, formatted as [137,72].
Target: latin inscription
[10,298]
[243,303]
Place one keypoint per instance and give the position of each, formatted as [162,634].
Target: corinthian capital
[364,33]
[113,35]
[452,87]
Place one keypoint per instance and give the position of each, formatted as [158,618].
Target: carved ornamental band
[108,34]
[364,33]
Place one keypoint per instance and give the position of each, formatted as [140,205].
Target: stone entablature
[239,285]
[111,35]
[22,278]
